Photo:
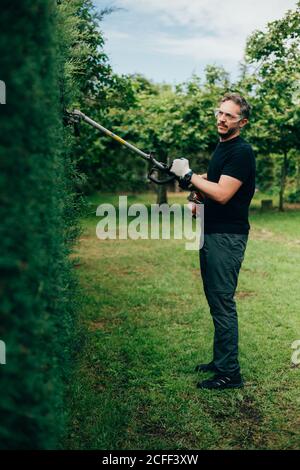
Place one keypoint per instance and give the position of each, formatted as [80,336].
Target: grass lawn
[147,324]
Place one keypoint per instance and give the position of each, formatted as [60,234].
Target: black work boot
[210,367]
[221,382]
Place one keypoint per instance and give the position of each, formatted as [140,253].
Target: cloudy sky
[168,40]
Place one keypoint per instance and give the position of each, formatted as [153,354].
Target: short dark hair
[238,99]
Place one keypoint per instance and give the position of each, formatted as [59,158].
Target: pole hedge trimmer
[76,116]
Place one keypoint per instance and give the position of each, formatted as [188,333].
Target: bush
[294,196]
[37,229]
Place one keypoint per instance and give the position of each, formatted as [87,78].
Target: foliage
[265,170]
[168,122]
[275,83]
[99,88]
[39,209]
[294,196]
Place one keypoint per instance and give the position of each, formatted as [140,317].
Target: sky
[169,40]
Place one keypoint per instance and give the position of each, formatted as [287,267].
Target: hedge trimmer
[77,116]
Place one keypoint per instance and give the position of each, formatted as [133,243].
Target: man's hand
[180,167]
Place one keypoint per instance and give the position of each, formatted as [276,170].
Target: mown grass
[147,325]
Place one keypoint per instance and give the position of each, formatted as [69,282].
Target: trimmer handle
[157,181]
[165,169]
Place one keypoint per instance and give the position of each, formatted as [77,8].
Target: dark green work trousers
[220,260]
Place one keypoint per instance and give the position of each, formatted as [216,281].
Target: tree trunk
[161,192]
[162,196]
[283,181]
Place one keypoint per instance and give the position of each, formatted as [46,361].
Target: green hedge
[38,299]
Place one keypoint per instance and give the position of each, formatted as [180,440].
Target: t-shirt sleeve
[239,164]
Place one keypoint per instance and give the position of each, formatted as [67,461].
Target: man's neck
[230,137]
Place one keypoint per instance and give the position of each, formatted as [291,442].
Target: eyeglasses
[229,117]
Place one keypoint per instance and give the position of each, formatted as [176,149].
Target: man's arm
[220,192]
[204,175]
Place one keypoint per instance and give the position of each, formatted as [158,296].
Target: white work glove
[180,167]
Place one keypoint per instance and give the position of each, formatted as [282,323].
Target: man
[228,187]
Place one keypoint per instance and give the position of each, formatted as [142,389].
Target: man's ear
[243,122]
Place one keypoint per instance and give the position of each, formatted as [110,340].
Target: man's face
[229,120]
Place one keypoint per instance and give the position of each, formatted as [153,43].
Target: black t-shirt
[234,158]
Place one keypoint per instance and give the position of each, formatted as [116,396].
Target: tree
[99,90]
[276,85]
